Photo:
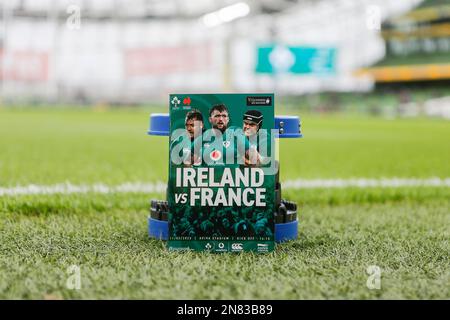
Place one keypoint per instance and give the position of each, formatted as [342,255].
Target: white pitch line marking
[365,183]
[160,187]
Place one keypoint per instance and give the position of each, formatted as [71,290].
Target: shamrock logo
[175,101]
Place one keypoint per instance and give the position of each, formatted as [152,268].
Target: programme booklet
[222,171]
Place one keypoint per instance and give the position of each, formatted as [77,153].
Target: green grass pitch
[405,231]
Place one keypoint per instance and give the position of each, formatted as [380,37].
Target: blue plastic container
[288,126]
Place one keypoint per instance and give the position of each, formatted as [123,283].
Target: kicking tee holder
[285,215]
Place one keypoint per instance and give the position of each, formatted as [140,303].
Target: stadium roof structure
[138,9]
[141,49]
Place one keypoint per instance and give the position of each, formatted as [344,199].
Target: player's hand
[252,157]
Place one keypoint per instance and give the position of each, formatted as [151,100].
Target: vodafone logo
[215,155]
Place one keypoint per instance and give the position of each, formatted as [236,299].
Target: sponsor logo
[262,247]
[222,247]
[215,155]
[180,249]
[259,101]
[226,144]
[237,246]
[187,101]
[209,246]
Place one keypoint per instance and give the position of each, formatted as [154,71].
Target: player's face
[250,128]
[219,120]
[194,127]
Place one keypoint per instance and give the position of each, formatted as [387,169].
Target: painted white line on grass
[68,188]
[160,187]
[365,183]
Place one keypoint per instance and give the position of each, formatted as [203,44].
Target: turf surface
[404,231]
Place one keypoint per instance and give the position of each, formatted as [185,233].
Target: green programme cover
[222,172]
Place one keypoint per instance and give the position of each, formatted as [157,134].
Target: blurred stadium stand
[139,51]
[417,45]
